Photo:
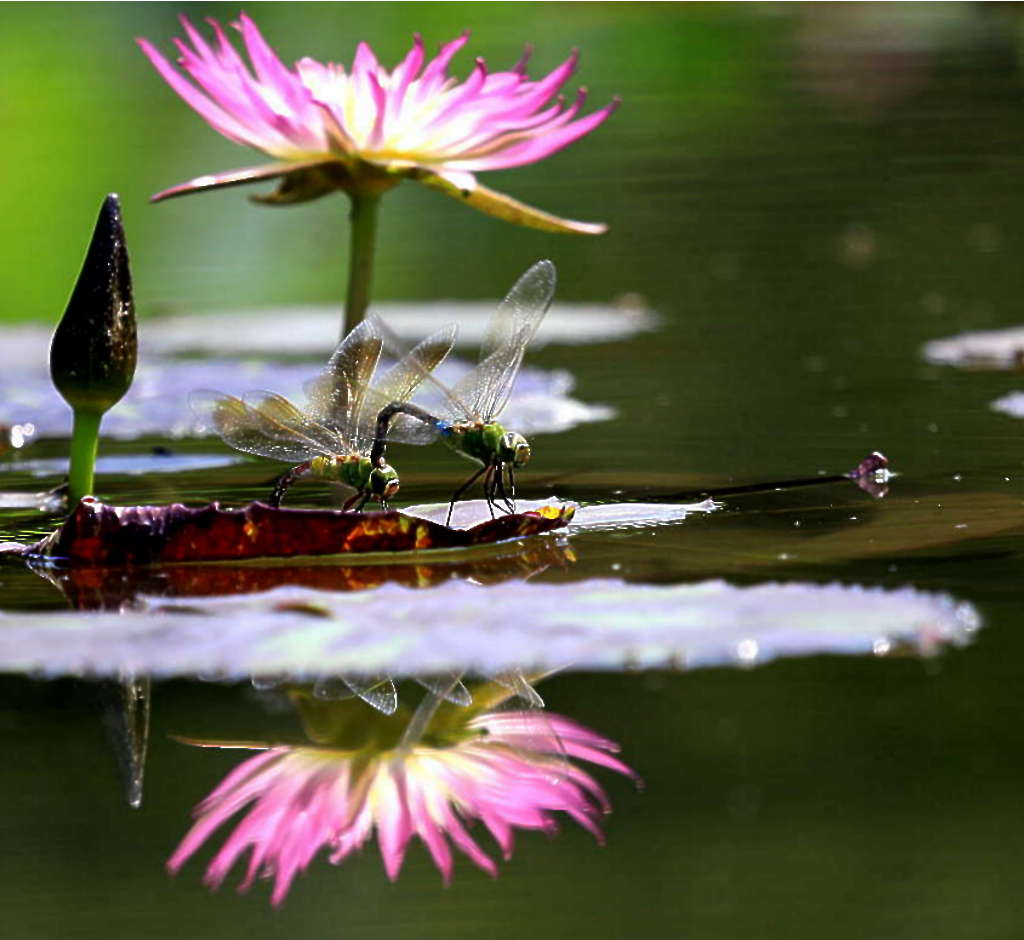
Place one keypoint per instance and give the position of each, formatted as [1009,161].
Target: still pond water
[805,199]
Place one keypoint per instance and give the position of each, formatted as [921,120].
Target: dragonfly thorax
[381,482]
[490,443]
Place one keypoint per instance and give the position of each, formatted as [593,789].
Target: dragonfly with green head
[467,422]
[331,437]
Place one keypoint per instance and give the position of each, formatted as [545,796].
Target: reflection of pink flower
[369,126]
[513,771]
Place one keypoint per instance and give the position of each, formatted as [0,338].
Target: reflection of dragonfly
[331,437]
[467,421]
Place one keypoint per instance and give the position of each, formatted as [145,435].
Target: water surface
[806,196]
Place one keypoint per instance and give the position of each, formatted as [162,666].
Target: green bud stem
[362,244]
[85,436]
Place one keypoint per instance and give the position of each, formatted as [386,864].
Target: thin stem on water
[424,714]
[85,437]
[362,244]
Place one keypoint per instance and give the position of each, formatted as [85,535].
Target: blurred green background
[806,193]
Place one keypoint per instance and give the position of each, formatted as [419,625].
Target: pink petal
[394,827]
[269,67]
[437,67]
[233,178]
[537,147]
[214,116]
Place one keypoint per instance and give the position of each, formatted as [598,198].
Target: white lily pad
[157,403]
[594,624]
[313,329]
[124,464]
[471,512]
[1011,404]
[985,349]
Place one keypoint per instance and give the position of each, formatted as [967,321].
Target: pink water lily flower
[366,128]
[511,770]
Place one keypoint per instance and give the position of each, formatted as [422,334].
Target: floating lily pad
[985,349]
[1011,404]
[471,512]
[157,402]
[595,624]
[312,330]
[102,535]
[124,464]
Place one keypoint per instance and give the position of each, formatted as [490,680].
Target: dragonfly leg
[285,480]
[356,502]
[489,486]
[462,489]
[512,485]
[499,482]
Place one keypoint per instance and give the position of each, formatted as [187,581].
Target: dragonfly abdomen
[350,469]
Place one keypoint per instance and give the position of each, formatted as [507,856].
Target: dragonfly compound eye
[384,481]
[516,448]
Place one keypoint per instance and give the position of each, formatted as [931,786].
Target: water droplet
[933,427]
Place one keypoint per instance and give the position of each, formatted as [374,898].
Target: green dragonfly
[332,435]
[468,421]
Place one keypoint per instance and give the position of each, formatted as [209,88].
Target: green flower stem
[85,437]
[360,257]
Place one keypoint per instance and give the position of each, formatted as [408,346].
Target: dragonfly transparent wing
[455,408]
[281,417]
[488,387]
[448,687]
[248,430]
[336,394]
[399,384]
[522,309]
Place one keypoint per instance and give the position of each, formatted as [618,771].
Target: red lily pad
[102,535]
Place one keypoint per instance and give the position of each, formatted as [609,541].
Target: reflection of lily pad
[597,624]
[101,535]
[93,588]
